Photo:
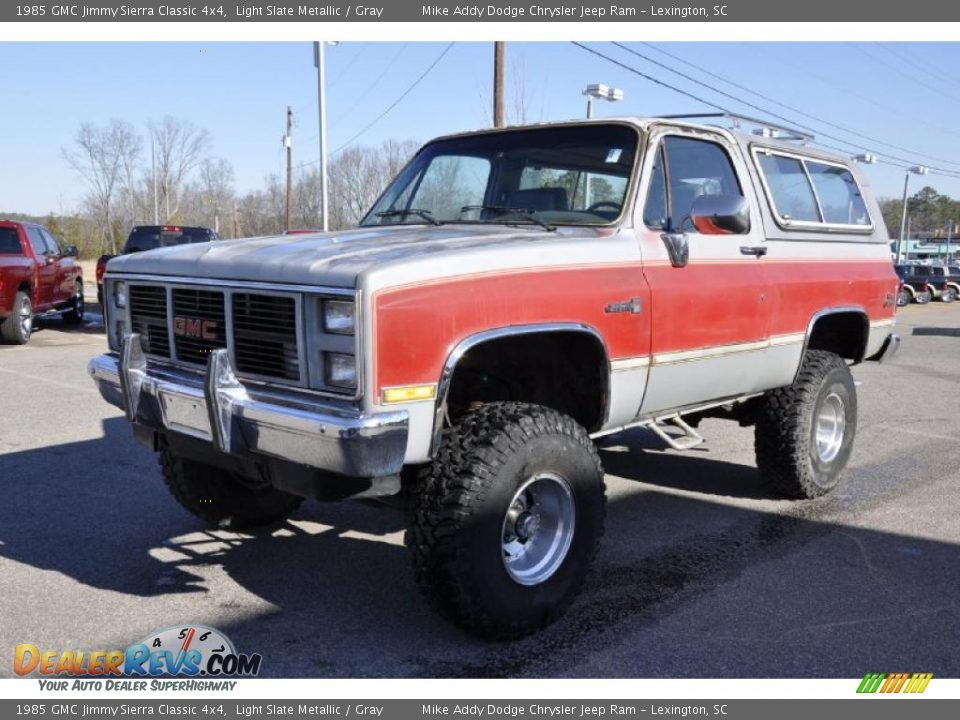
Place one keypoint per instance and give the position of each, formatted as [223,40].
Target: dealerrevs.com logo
[189,651]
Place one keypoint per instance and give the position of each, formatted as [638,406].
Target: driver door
[710,318]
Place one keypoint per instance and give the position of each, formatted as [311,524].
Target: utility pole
[321,105]
[153,165]
[498,63]
[288,143]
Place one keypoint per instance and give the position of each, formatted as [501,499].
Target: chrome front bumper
[216,407]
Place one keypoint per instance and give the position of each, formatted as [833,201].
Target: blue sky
[903,94]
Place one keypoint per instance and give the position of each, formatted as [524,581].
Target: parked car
[150,237]
[38,276]
[513,296]
[916,284]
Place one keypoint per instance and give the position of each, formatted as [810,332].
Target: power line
[708,103]
[392,105]
[797,110]
[773,114]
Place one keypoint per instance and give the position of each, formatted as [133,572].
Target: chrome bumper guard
[218,408]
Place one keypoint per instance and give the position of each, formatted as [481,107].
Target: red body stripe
[704,304]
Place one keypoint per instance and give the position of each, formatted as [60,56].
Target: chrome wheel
[831,425]
[26,318]
[538,528]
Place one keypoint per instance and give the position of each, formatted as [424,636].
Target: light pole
[601,92]
[917,170]
[322,105]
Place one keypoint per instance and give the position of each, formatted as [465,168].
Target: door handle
[755,250]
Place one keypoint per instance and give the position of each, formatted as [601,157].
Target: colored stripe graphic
[894,682]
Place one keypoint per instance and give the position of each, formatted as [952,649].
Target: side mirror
[720,215]
[71,251]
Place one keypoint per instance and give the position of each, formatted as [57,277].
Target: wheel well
[563,370]
[844,333]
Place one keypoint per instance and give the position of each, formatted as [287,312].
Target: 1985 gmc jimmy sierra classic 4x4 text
[512,296]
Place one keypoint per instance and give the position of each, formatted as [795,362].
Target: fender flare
[835,310]
[475,340]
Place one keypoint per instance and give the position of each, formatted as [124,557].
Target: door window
[51,242]
[686,168]
[36,241]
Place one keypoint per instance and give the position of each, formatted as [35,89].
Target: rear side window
[10,241]
[805,192]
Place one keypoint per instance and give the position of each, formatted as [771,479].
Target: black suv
[151,237]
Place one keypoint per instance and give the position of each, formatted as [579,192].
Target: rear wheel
[223,499]
[922,298]
[18,326]
[74,316]
[949,295]
[903,297]
[804,432]
[507,519]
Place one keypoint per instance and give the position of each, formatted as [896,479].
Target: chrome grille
[265,335]
[199,324]
[148,316]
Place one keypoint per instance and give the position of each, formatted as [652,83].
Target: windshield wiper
[525,213]
[425,214]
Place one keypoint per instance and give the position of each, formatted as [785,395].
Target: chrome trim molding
[631,363]
[446,376]
[680,356]
[238,420]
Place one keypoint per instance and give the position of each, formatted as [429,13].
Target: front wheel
[507,519]
[922,298]
[949,295]
[903,297]
[804,433]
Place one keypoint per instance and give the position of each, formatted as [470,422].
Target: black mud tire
[455,538]
[785,435]
[219,498]
[14,330]
[74,316]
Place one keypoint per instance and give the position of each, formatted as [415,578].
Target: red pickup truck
[38,276]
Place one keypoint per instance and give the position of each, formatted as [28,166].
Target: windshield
[153,236]
[552,176]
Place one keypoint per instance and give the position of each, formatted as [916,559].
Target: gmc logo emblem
[195,328]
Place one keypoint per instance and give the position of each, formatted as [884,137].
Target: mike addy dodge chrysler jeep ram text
[511,297]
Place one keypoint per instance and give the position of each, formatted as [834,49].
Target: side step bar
[690,438]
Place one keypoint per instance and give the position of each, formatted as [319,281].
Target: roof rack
[764,128]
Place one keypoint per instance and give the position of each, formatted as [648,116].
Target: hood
[333,259]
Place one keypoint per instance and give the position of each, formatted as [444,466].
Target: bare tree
[101,156]
[180,148]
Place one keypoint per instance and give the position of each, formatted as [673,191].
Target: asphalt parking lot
[702,574]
